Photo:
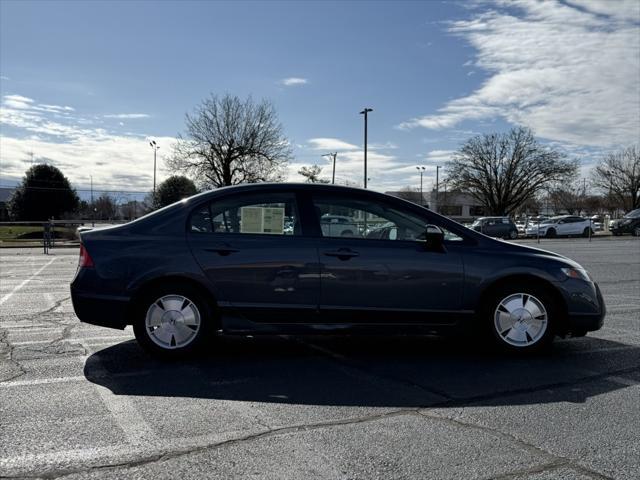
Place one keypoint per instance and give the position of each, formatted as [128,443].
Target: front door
[383,272]
[253,251]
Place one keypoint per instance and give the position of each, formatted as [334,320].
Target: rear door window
[267,214]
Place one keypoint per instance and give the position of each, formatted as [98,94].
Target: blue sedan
[258,259]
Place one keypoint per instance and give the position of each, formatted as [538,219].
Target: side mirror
[434,237]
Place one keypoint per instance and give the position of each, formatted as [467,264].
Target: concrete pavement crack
[233,441]
[555,460]
[6,348]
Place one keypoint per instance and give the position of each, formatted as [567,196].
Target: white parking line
[137,431]
[24,282]
[41,381]
[70,340]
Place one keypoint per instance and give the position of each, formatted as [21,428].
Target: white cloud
[438,156]
[129,116]
[17,101]
[116,161]
[293,81]
[569,71]
[323,143]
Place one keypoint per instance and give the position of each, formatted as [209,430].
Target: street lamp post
[438,167]
[421,170]
[93,217]
[333,156]
[155,147]
[365,112]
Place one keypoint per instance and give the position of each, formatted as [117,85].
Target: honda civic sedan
[223,262]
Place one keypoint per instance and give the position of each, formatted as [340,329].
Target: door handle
[342,253]
[222,251]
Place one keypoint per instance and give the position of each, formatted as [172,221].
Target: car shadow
[370,371]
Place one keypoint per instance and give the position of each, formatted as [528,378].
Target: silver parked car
[564,225]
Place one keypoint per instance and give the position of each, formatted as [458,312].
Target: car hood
[526,250]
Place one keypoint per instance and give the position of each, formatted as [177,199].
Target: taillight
[85,260]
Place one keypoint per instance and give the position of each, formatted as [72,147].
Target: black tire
[513,234]
[636,231]
[551,233]
[585,232]
[502,341]
[203,333]
[347,233]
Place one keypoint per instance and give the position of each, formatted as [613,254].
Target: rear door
[254,251]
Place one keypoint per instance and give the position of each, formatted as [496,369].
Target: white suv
[563,225]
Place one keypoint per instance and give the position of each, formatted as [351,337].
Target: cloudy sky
[85,85]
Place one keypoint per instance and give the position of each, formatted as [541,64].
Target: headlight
[577,273]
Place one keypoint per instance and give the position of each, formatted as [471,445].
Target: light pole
[365,113]
[93,217]
[421,170]
[155,147]
[438,167]
[333,156]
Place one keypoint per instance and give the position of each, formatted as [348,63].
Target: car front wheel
[513,234]
[521,318]
[172,322]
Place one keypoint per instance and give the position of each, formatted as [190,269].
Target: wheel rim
[520,320]
[172,321]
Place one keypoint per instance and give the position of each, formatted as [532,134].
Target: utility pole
[438,167]
[93,217]
[421,170]
[155,147]
[333,156]
[365,113]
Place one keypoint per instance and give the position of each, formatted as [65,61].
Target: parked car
[597,223]
[630,223]
[500,227]
[564,225]
[338,225]
[521,225]
[221,262]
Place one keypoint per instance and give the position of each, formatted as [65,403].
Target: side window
[346,217]
[201,220]
[271,214]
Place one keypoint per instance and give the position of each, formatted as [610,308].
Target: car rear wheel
[520,318]
[586,232]
[172,321]
[513,234]
[636,231]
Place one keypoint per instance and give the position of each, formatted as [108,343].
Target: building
[456,205]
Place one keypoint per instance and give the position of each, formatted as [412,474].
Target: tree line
[229,141]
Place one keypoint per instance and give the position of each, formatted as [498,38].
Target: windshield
[633,213]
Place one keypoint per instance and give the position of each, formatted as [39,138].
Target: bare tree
[230,141]
[618,175]
[502,171]
[568,197]
[312,174]
[105,207]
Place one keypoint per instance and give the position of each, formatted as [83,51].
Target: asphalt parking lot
[83,401]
